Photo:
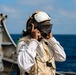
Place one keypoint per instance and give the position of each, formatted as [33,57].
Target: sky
[62,13]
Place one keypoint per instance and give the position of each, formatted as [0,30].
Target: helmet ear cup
[29,22]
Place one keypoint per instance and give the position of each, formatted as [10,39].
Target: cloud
[31,6]
[7,9]
[68,13]
[13,12]
[34,2]
[74,2]
[48,8]
[14,20]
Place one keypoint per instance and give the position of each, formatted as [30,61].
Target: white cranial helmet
[41,16]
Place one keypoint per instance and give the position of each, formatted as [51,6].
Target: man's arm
[58,50]
[26,55]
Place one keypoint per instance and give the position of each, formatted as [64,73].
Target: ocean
[69,44]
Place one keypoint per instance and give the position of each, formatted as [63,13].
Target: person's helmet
[42,18]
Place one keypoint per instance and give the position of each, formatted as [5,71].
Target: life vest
[44,61]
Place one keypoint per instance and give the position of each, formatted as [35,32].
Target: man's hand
[35,33]
[49,35]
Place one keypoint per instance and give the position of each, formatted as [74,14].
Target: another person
[38,49]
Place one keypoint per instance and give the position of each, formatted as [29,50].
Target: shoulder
[25,39]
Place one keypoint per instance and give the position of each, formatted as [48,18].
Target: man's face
[44,27]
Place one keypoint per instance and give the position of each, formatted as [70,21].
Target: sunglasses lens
[46,27]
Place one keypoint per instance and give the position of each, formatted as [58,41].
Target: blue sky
[62,12]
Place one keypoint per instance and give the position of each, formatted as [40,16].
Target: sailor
[38,49]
